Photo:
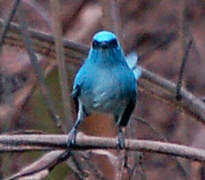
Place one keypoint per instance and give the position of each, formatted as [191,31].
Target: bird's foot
[121,141]
[71,138]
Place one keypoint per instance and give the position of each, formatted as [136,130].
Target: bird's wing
[75,94]
[128,111]
[80,77]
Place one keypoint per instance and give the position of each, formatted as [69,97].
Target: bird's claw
[71,138]
[120,142]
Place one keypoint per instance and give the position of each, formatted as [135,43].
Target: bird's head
[104,40]
[105,46]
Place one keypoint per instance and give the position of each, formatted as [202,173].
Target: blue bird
[104,84]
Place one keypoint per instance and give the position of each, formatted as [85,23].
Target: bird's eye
[95,44]
[113,43]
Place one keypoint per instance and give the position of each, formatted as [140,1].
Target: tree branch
[37,68]
[40,168]
[167,91]
[19,143]
[7,23]
[43,43]
[62,71]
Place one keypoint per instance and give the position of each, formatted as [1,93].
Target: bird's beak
[104,45]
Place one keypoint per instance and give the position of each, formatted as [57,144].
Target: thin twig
[7,23]
[134,167]
[57,30]
[141,167]
[43,43]
[79,167]
[181,72]
[189,103]
[182,43]
[185,46]
[97,173]
[8,96]
[39,72]
[48,162]
[186,43]
[164,138]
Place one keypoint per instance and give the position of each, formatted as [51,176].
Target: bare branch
[184,171]
[40,169]
[10,143]
[57,31]
[185,43]
[43,43]
[7,23]
[189,103]
[39,72]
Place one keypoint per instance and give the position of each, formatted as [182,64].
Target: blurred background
[144,24]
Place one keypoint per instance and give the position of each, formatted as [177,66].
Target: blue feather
[105,83]
[132,60]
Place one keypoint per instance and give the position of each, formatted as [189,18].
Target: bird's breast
[107,90]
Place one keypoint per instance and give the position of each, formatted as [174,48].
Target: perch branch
[19,143]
